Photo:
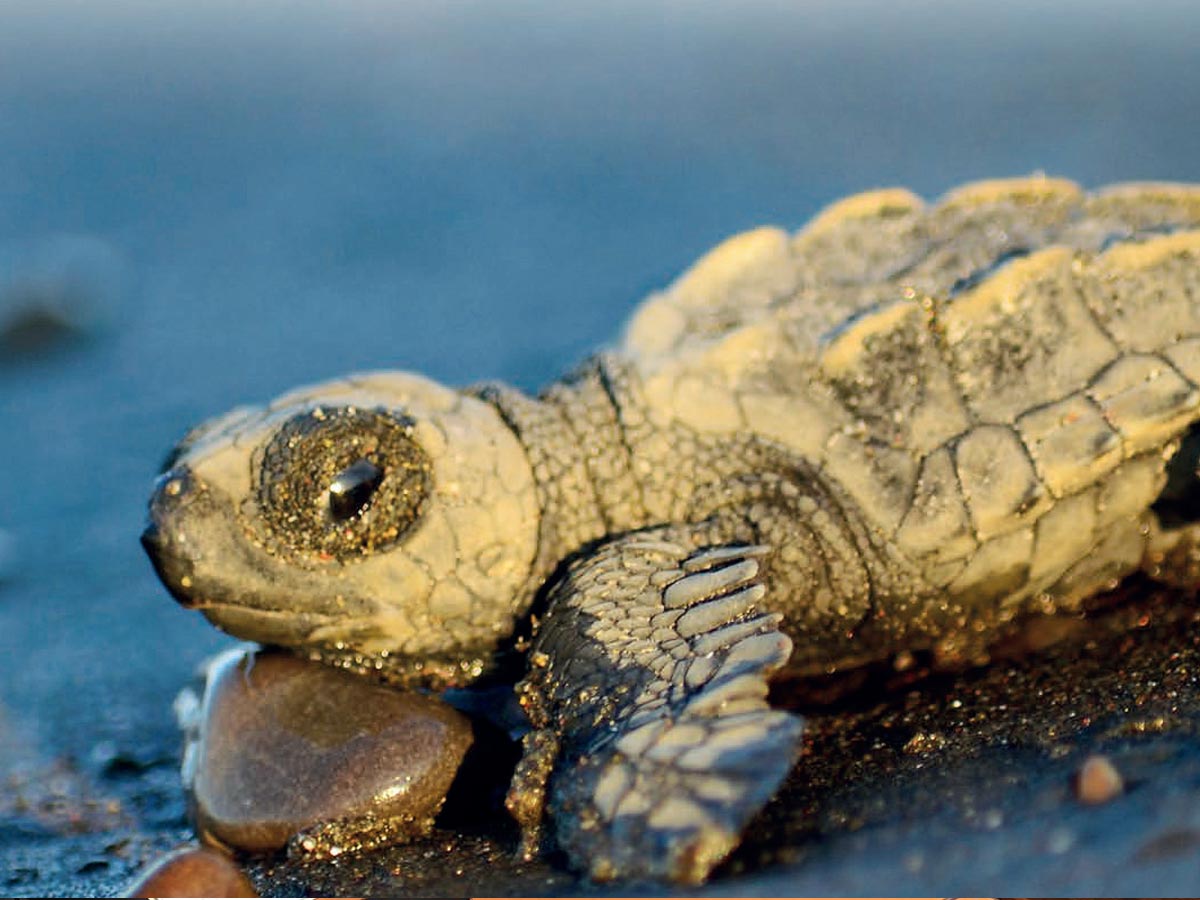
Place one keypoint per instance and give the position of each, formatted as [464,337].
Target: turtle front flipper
[654,744]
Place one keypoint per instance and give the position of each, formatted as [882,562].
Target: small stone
[192,872]
[286,752]
[56,289]
[1098,781]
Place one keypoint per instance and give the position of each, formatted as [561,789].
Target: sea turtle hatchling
[901,428]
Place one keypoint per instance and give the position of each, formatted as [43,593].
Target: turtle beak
[162,539]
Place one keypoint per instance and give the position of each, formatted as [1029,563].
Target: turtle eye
[339,483]
[352,489]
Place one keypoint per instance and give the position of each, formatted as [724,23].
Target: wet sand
[909,783]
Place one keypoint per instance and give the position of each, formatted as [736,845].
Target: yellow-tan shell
[996,379]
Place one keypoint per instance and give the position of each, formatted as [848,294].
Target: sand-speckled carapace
[901,428]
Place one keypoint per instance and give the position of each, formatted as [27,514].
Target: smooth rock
[192,872]
[286,752]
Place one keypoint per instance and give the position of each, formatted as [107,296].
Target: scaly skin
[602,471]
[900,428]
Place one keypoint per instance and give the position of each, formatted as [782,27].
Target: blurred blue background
[242,197]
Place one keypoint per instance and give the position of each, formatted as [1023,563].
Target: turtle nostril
[172,486]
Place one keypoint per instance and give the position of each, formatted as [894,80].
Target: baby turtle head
[384,521]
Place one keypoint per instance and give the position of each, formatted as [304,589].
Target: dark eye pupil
[351,490]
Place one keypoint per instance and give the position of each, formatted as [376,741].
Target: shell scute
[998,480]
[717,294]
[886,368]
[937,523]
[1024,337]
[1145,400]
[1071,443]
[1063,535]
[1146,293]
[1185,357]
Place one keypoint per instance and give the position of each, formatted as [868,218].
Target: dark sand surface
[295,191]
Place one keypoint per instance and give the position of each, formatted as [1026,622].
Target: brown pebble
[192,872]
[286,750]
[1098,780]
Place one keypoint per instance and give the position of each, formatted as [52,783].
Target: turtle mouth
[246,616]
[282,627]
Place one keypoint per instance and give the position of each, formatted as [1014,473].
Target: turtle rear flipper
[654,743]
